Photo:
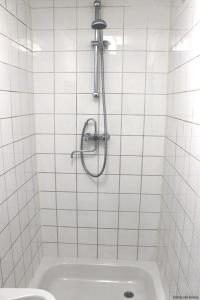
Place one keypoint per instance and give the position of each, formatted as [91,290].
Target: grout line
[54,134]
[121,126]
[143,140]
[76,146]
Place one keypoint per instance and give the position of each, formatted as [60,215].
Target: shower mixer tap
[95,137]
[91,137]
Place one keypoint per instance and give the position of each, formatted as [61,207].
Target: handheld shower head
[99,24]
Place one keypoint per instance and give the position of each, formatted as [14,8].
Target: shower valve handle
[95,137]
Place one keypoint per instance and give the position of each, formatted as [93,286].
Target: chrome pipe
[97,5]
[96,64]
[98,44]
[96,72]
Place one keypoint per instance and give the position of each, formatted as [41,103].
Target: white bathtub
[78,279]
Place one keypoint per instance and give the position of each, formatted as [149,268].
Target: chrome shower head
[99,24]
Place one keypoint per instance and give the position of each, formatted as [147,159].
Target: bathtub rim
[149,267]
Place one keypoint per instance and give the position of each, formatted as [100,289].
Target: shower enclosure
[53,83]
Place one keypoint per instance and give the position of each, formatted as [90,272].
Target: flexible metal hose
[105,123]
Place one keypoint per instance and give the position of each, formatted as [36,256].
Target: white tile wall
[112,216]
[20,242]
[179,235]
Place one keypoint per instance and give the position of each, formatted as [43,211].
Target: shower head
[99,24]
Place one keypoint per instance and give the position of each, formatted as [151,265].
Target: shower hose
[105,123]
